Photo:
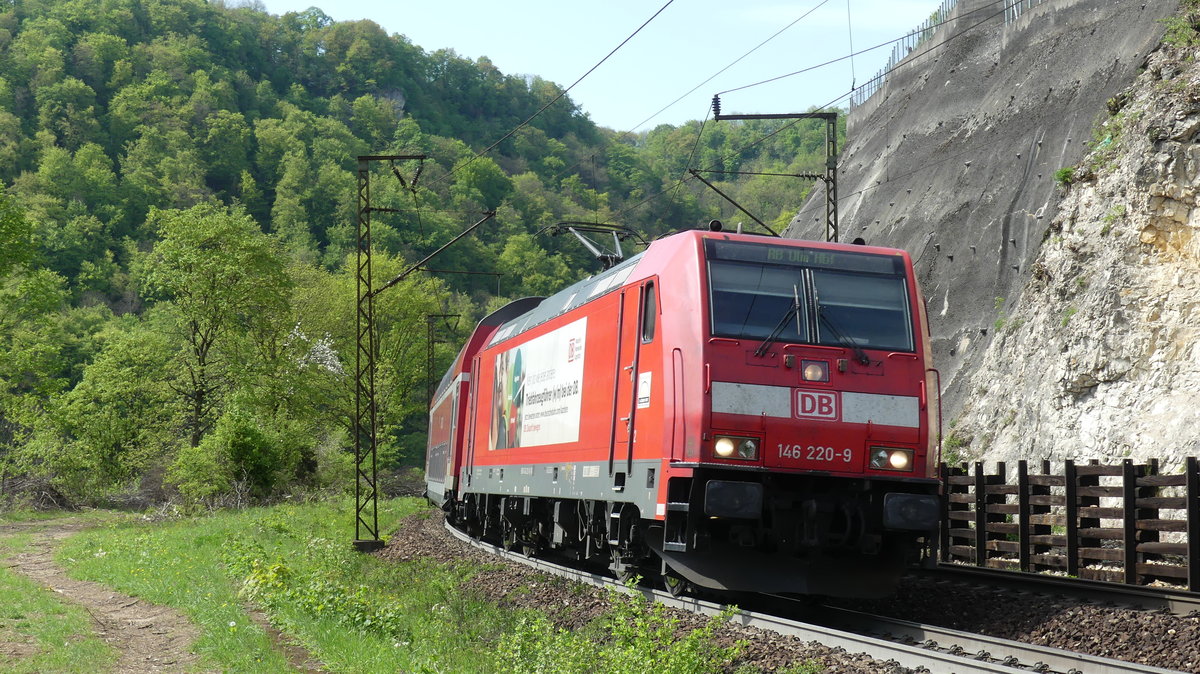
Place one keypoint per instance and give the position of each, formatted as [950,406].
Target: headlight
[891,458]
[814,370]
[729,447]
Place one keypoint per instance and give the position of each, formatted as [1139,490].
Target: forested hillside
[177,232]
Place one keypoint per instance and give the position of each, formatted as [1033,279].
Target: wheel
[623,571]
[508,538]
[676,585]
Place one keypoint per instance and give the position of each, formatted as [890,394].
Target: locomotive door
[636,326]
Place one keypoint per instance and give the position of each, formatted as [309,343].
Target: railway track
[908,644]
[1178,602]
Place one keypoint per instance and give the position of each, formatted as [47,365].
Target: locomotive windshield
[832,298]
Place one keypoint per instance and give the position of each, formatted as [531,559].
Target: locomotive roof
[601,284]
[567,299]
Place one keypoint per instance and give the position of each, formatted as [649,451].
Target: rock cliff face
[1041,311]
[1100,357]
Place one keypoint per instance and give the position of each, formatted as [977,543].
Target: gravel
[423,535]
[1154,638]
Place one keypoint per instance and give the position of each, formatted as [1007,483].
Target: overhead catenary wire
[686,177]
[674,186]
[732,63]
[695,147]
[850,37]
[691,91]
[557,98]
[906,63]
[852,54]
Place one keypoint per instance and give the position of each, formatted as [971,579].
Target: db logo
[574,349]
[816,405]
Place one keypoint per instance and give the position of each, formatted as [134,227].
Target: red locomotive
[726,410]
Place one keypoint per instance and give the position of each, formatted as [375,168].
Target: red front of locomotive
[818,352]
[815,458]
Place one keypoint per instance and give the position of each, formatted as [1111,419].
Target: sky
[686,44]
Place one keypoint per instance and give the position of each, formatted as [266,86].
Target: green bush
[243,450]
[636,636]
[200,474]
[1183,29]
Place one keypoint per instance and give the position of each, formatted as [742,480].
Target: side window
[649,313]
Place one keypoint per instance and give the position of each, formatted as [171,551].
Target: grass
[32,515]
[186,564]
[954,448]
[58,635]
[353,612]
[177,564]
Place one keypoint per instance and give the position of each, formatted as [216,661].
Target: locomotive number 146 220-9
[813,453]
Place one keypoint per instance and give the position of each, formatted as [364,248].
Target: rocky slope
[1060,317]
[1099,358]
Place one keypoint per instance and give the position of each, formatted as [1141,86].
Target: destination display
[759,253]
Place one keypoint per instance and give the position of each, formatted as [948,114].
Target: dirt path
[148,637]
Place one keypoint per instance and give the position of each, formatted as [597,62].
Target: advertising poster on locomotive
[537,392]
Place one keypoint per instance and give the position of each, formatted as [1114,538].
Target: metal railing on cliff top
[1012,10]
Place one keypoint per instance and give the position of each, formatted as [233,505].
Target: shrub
[245,450]
[1183,29]
[200,474]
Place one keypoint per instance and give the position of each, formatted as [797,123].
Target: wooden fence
[1123,523]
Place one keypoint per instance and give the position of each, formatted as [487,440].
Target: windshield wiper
[859,354]
[793,310]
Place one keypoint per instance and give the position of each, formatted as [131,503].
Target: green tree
[539,273]
[162,169]
[226,148]
[226,282]
[94,60]
[123,416]
[15,242]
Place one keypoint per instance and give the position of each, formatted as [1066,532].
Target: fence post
[1072,519]
[1193,519]
[980,516]
[1023,512]
[1148,535]
[1129,510]
[1089,501]
[944,543]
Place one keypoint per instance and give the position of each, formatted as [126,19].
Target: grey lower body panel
[578,481]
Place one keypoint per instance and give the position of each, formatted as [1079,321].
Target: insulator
[716,105]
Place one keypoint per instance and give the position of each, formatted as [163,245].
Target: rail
[1126,523]
[904,643]
[1139,597]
